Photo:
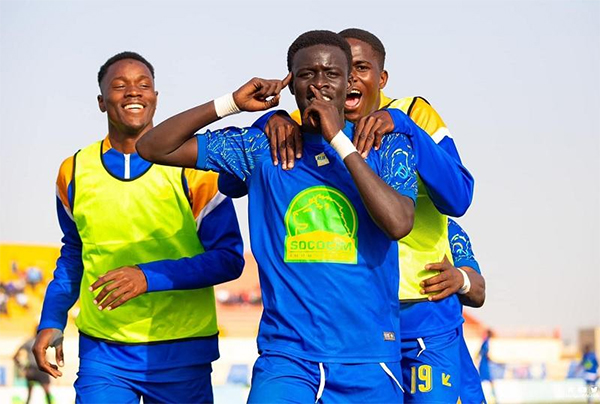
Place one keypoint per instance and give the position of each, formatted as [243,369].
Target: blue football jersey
[329,275]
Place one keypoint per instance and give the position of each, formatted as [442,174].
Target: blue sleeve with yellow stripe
[460,245]
[449,184]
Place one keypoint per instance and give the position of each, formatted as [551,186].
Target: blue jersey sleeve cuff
[468,263]
[155,280]
[45,324]
[201,162]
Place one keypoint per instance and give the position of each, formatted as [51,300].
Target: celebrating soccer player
[164,230]
[431,288]
[323,234]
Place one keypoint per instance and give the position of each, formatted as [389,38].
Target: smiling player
[165,230]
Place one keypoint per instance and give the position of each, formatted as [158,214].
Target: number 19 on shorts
[423,373]
[421,378]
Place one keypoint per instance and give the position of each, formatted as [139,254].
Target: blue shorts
[282,379]
[484,370]
[590,378]
[470,383]
[431,368]
[99,387]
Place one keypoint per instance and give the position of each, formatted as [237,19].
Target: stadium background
[517,83]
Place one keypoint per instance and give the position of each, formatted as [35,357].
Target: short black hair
[369,38]
[319,37]
[121,56]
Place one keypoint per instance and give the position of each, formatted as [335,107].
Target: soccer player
[431,309]
[589,364]
[143,245]
[27,368]
[322,234]
[484,363]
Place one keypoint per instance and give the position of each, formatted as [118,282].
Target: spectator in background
[27,368]
[33,277]
[589,364]
[3,300]
[484,364]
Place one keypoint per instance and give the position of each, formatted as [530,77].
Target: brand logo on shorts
[389,336]
[321,226]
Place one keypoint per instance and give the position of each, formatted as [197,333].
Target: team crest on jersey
[321,225]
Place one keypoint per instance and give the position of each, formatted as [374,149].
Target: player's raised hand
[323,115]
[49,337]
[447,282]
[285,140]
[119,286]
[370,130]
[260,94]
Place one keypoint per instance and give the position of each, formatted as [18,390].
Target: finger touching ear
[291,83]
[286,81]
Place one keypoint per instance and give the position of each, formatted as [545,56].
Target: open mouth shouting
[353,99]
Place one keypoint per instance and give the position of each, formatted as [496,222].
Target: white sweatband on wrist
[342,145]
[466,284]
[225,105]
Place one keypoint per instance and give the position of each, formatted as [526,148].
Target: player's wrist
[466,287]
[225,106]
[342,145]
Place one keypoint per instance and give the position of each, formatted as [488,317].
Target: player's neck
[124,142]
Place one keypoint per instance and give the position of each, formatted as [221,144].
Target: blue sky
[517,82]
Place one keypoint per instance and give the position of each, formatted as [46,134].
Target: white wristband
[225,105]
[342,145]
[466,284]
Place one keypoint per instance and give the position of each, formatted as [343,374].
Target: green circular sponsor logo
[321,226]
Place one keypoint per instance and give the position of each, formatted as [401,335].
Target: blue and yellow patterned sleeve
[398,165]
[232,150]
[460,245]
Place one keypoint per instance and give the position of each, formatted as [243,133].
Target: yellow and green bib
[428,240]
[129,222]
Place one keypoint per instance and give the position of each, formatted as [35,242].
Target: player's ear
[101,103]
[291,85]
[383,78]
